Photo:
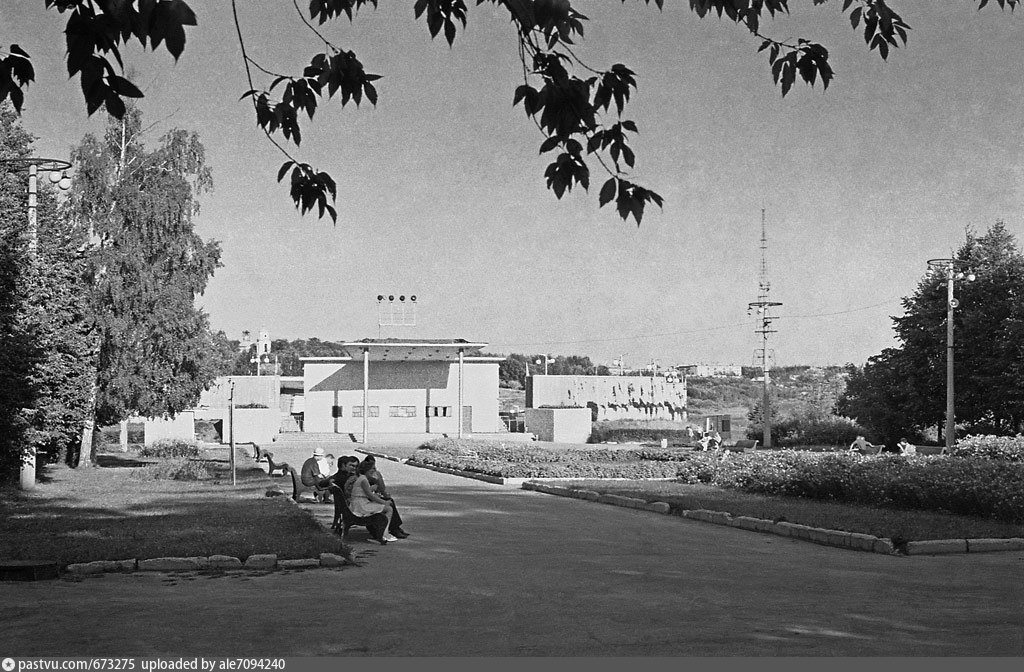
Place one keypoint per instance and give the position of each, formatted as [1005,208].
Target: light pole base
[27,480]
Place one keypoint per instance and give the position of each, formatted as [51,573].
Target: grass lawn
[896,524]
[117,511]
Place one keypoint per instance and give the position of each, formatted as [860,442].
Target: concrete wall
[561,425]
[252,425]
[418,385]
[181,426]
[617,397]
[264,390]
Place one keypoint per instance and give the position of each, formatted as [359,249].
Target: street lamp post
[546,359]
[952,270]
[57,170]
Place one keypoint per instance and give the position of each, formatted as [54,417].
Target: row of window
[395,411]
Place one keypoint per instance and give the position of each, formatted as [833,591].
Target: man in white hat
[313,476]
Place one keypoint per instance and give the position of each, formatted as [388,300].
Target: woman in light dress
[365,502]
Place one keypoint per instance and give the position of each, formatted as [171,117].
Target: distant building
[245,345]
[711,370]
[402,386]
[611,397]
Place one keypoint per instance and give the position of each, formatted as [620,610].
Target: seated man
[377,483]
[861,445]
[312,476]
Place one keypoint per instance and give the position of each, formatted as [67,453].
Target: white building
[402,386]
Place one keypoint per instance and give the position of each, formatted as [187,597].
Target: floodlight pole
[950,268]
[58,175]
[231,429]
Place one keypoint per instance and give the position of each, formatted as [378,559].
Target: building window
[403,412]
[439,411]
[336,412]
[357,411]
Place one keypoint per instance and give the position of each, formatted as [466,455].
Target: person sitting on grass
[377,483]
[906,448]
[312,476]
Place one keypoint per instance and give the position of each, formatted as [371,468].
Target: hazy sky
[441,189]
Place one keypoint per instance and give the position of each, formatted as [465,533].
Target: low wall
[559,425]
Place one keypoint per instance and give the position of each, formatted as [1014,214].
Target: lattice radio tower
[762,307]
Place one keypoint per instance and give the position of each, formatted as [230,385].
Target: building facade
[611,397]
[402,386]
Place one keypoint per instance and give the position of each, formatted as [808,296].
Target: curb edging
[261,562]
[826,537]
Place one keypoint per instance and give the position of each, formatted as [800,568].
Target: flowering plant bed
[963,485]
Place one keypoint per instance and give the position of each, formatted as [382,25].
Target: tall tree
[46,358]
[576,107]
[147,265]
[909,382]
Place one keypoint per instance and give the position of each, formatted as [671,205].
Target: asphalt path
[496,571]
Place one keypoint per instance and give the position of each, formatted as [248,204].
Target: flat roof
[408,350]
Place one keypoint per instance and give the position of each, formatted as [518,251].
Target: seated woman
[343,482]
[377,483]
[365,502]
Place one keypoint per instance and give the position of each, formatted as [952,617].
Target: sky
[441,192]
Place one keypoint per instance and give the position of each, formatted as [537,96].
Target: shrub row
[176,469]
[576,469]
[169,448]
[985,488]
[515,452]
[625,434]
[1010,448]
[961,484]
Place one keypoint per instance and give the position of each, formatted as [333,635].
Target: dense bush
[1010,448]
[177,469]
[170,448]
[627,434]
[986,488]
[539,453]
[808,430]
[549,469]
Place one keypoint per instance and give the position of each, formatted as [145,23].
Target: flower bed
[989,488]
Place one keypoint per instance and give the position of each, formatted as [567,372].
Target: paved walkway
[496,571]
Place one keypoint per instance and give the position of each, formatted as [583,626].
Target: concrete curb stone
[173,564]
[224,562]
[988,545]
[936,546]
[101,567]
[261,561]
[332,560]
[302,563]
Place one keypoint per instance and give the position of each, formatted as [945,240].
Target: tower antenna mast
[762,307]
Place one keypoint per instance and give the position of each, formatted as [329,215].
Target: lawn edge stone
[989,545]
[835,538]
[936,546]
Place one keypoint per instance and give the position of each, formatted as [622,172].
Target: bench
[741,446]
[273,466]
[345,519]
[299,488]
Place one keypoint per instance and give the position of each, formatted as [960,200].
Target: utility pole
[763,307]
[951,270]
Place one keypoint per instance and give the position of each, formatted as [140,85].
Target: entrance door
[467,419]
